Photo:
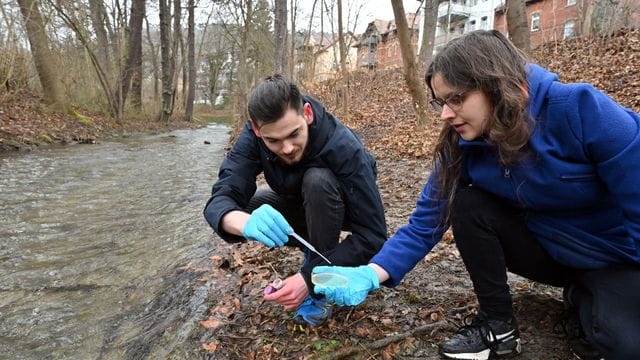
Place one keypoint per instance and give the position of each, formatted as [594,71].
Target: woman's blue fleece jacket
[580,185]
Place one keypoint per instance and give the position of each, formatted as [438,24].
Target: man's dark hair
[271,99]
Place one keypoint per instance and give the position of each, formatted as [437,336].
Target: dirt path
[438,291]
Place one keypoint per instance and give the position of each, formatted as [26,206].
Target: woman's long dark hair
[488,62]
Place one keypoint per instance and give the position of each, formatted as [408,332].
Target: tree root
[380,343]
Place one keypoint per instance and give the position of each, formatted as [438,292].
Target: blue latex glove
[267,226]
[361,280]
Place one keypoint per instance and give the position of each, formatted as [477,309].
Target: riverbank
[25,124]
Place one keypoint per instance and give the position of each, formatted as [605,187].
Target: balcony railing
[443,39]
[455,11]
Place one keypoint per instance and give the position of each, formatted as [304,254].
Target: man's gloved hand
[361,280]
[268,226]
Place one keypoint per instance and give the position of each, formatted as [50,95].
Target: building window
[571,2]
[535,21]
[484,24]
[472,25]
[568,29]
[461,29]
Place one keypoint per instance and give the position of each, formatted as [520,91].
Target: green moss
[326,346]
[414,298]
[83,119]
[12,143]
[46,138]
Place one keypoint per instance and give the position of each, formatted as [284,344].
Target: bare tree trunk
[428,31]
[165,49]
[191,41]
[343,65]
[586,15]
[315,58]
[177,38]
[243,84]
[42,57]
[308,70]
[280,34]
[136,80]
[185,67]
[329,11]
[414,83]
[98,19]
[154,63]
[292,57]
[134,54]
[136,85]
[517,24]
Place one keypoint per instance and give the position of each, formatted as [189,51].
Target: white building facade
[456,17]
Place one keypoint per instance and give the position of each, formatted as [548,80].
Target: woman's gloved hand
[361,280]
[267,226]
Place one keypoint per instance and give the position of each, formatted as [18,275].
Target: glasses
[454,102]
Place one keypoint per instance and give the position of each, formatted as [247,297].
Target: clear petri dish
[329,279]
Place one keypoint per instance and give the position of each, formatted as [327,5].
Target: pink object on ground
[273,287]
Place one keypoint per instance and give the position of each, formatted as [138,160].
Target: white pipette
[309,246]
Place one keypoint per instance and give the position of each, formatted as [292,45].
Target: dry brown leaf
[211,347]
[211,323]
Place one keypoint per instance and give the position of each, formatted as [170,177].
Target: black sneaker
[582,350]
[483,339]
[570,321]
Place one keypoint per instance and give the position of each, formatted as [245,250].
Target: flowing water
[98,245]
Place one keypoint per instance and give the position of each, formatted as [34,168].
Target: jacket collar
[480,142]
[540,81]
[320,129]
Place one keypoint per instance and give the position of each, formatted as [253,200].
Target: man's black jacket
[330,145]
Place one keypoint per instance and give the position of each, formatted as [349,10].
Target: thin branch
[380,343]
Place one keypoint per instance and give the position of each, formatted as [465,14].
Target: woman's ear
[307,112]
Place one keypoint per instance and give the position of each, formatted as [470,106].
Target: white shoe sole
[484,354]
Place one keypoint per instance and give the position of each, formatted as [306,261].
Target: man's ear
[307,111]
[255,128]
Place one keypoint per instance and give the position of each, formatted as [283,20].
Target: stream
[100,247]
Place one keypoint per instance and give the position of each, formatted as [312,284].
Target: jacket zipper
[507,173]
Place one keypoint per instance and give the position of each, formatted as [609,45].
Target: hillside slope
[381,109]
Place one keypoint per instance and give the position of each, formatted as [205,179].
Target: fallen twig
[380,343]
[346,319]
[461,309]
